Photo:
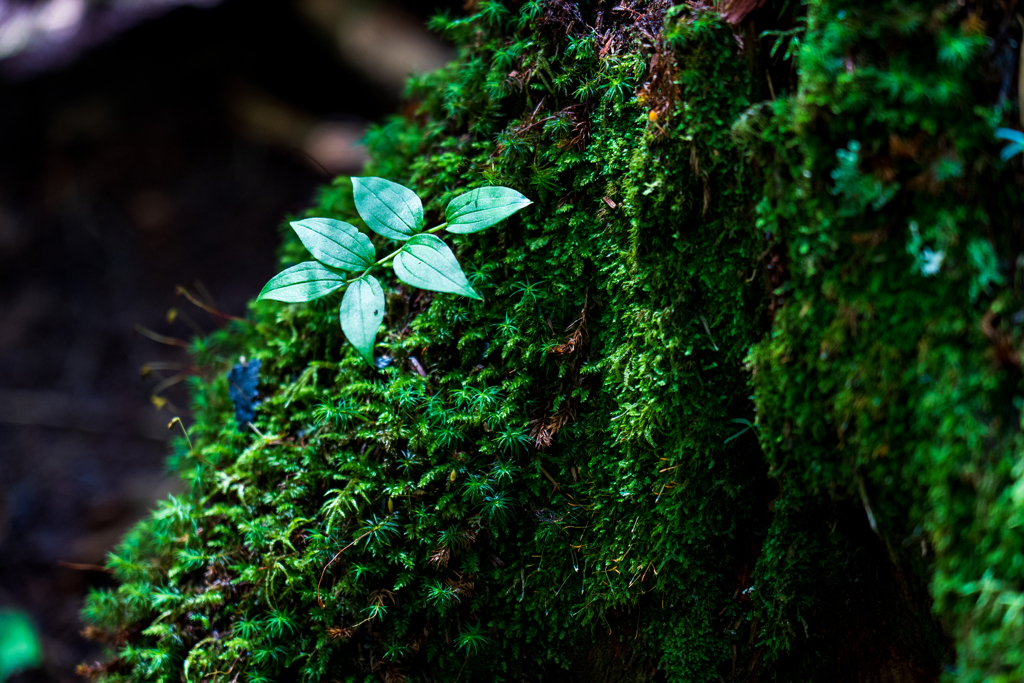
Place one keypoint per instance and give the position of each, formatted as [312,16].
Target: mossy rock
[742,402]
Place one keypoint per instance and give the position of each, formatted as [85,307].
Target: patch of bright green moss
[884,387]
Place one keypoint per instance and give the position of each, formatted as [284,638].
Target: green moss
[566,491]
[879,388]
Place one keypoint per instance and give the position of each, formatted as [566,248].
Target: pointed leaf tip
[361,313]
[389,209]
[304,282]
[483,207]
[427,262]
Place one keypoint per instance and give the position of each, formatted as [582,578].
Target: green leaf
[362,311]
[389,209]
[304,282]
[427,262]
[19,644]
[335,243]
[482,208]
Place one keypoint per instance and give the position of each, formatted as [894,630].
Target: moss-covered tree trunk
[743,401]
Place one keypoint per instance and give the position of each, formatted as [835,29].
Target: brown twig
[159,338]
[318,600]
[209,309]
[85,567]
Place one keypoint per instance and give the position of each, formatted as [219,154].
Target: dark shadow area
[168,155]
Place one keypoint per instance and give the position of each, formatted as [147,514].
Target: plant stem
[191,450]
[393,254]
[386,259]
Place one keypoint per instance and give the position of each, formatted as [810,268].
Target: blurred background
[146,145]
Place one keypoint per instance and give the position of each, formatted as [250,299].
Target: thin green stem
[393,254]
[386,259]
[191,450]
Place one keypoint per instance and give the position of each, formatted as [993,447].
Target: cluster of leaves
[551,484]
[396,213]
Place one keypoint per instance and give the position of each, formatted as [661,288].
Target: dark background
[144,146]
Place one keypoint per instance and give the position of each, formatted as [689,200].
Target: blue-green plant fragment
[20,648]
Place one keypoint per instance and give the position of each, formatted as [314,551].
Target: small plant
[424,260]
[791,38]
[471,639]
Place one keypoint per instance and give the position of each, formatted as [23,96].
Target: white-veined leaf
[304,282]
[389,209]
[362,311]
[335,243]
[427,262]
[482,208]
